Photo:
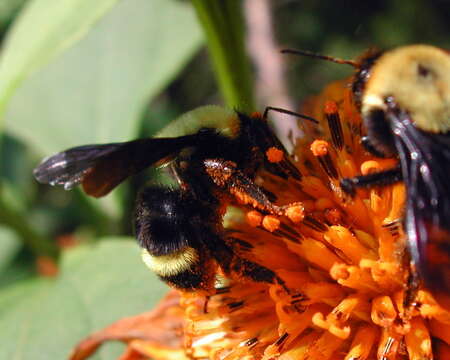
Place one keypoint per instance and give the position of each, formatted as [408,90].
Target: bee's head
[417,77]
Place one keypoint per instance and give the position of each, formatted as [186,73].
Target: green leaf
[8,10]
[97,90]
[98,285]
[43,29]
[9,246]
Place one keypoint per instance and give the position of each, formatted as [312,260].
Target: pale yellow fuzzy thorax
[400,73]
[224,120]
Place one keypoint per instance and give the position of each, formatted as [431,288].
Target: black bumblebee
[213,158]
[404,99]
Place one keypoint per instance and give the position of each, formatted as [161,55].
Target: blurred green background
[74,72]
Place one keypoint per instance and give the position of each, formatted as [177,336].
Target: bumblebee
[404,98]
[213,156]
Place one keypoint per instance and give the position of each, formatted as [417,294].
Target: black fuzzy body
[190,216]
[180,228]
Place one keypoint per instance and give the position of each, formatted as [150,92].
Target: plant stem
[223,24]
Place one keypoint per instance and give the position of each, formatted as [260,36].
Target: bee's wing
[425,163]
[100,168]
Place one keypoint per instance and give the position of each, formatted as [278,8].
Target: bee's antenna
[288,112]
[320,56]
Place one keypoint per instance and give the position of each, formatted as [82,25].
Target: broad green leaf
[43,29]
[98,285]
[96,91]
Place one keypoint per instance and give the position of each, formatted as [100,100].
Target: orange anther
[274,155]
[339,271]
[371,166]
[295,213]
[340,332]
[319,320]
[383,311]
[270,223]
[254,218]
[319,147]
[330,107]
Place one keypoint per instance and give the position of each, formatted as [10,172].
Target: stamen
[362,343]
[254,218]
[394,227]
[270,223]
[251,342]
[316,253]
[386,274]
[333,216]
[314,224]
[223,290]
[236,305]
[430,308]
[324,203]
[274,155]
[286,235]
[388,345]
[291,169]
[383,311]
[353,277]
[398,203]
[319,149]
[336,320]
[280,341]
[371,166]
[295,212]
[418,341]
[291,230]
[324,347]
[334,124]
[341,238]
[314,187]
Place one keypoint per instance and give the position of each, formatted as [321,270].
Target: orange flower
[343,261]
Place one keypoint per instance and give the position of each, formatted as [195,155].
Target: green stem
[223,24]
[39,244]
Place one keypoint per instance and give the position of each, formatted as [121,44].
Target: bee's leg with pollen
[225,174]
[239,267]
[234,265]
[382,178]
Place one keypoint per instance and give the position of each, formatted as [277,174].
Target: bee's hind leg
[226,175]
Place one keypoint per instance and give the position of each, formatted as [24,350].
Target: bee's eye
[424,71]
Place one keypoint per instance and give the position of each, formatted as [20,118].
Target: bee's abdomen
[185,269]
[172,227]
